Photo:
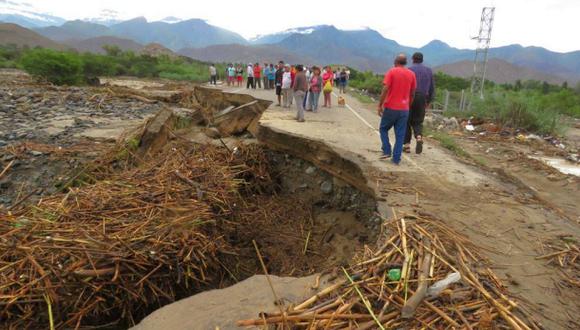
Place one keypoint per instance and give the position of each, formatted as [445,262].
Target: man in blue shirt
[423,97]
[272,76]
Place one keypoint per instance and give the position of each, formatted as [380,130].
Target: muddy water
[561,165]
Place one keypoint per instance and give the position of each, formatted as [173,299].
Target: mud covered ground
[48,131]
[516,208]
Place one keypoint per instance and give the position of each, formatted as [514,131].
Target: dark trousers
[397,119]
[258,82]
[416,117]
[250,83]
[213,79]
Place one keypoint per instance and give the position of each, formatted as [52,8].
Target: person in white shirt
[286,86]
[250,75]
[212,75]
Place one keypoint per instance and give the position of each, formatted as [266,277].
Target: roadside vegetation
[533,106]
[73,68]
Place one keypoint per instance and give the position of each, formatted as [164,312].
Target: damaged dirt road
[522,221]
[523,218]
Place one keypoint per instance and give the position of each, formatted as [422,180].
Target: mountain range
[499,71]
[364,49]
[178,35]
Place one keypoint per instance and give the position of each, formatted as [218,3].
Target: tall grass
[522,110]
[531,105]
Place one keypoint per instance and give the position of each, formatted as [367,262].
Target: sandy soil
[219,309]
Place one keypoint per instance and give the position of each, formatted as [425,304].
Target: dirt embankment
[514,208]
[191,210]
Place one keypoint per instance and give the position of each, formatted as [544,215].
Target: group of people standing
[304,85]
[293,83]
[256,76]
[407,92]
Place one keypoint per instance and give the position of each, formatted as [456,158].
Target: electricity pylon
[483,41]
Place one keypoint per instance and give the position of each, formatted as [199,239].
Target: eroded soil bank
[302,219]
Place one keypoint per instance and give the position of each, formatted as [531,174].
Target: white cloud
[546,23]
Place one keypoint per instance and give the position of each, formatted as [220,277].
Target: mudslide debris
[367,295]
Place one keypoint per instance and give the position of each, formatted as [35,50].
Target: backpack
[327,87]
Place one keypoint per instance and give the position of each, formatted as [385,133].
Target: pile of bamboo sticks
[133,240]
[393,286]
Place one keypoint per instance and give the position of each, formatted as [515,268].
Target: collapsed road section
[204,197]
[171,212]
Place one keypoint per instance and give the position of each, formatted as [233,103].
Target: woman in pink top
[328,76]
[315,88]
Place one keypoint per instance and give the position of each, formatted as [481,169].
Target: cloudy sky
[553,24]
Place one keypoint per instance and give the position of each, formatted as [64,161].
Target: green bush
[98,65]
[446,82]
[522,110]
[9,55]
[369,81]
[182,71]
[61,68]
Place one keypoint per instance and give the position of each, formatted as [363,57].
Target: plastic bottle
[435,289]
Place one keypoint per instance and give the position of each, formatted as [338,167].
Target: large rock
[232,121]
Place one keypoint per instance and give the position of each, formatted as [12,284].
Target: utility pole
[483,41]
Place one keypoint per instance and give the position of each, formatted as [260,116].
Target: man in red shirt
[397,96]
[257,75]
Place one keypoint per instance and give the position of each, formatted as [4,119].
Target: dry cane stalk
[277,301]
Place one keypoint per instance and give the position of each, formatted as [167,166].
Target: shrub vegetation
[535,106]
[73,68]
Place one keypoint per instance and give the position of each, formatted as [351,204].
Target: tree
[61,68]
[112,50]
[98,65]
[545,87]
[565,85]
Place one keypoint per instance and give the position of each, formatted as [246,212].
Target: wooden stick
[277,301]
[319,295]
[552,254]
[298,318]
[411,305]
[6,168]
[382,319]
[463,319]
[364,300]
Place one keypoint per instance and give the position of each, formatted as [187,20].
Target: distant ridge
[19,36]
[499,71]
[173,35]
[95,45]
[235,53]
[364,49]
